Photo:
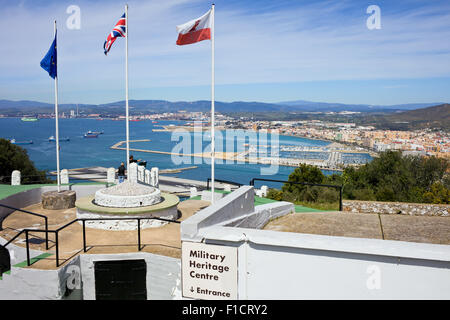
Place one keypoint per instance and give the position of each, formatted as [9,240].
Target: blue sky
[269,51]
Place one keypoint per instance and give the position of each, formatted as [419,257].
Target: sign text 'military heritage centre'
[209,271]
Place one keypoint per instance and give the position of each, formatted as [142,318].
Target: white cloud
[314,42]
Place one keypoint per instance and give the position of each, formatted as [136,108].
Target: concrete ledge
[371,247]
[262,215]
[237,203]
[86,205]
[207,196]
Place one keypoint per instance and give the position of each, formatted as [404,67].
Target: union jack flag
[118,31]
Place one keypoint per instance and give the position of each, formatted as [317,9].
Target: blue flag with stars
[49,61]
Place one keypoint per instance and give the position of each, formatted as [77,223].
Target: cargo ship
[29,119]
[13,141]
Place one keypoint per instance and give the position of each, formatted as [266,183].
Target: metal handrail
[34,214]
[252,183]
[56,232]
[222,181]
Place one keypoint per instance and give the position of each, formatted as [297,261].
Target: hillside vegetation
[436,117]
[391,177]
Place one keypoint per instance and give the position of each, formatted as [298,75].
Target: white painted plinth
[127,195]
[147,176]
[133,172]
[15,178]
[264,190]
[154,176]
[64,176]
[141,173]
[111,175]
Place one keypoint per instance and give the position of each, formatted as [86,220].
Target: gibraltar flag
[195,30]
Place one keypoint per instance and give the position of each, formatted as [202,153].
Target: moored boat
[29,119]
[52,139]
[13,141]
[91,134]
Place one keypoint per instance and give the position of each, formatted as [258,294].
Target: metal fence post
[139,234]
[46,233]
[28,247]
[84,235]
[57,249]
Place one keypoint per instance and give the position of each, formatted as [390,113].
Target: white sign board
[209,271]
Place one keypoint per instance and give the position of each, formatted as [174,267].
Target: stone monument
[134,198]
[54,200]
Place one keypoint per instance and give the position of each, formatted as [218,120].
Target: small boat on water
[29,119]
[91,134]
[53,139]
[13,141]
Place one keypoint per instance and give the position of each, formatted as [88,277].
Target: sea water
[82,152]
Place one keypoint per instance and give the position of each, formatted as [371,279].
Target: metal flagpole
[57,129]
[126,87]
[213,149]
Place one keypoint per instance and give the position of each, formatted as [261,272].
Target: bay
[81,152]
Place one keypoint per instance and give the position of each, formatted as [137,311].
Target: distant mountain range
[329,107]
[140,106]
[430,117]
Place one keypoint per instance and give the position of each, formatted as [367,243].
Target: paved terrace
[163,240]
[166,241]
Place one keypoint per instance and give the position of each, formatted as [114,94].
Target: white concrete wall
[32,284]
[163,274]
[76,280]
[283,265]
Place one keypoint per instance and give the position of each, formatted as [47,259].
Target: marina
[154,147]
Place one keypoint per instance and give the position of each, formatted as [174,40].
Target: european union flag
[49,61]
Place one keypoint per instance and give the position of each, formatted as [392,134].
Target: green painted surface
[23,264]
[6,272]
[7,190]
[260,201]
[86,204]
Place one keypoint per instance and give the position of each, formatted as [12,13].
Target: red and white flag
[195,30]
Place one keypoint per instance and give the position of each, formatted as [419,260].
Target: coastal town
[425,142]
[418,142]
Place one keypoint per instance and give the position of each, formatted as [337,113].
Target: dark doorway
[120,280]
[5,260]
